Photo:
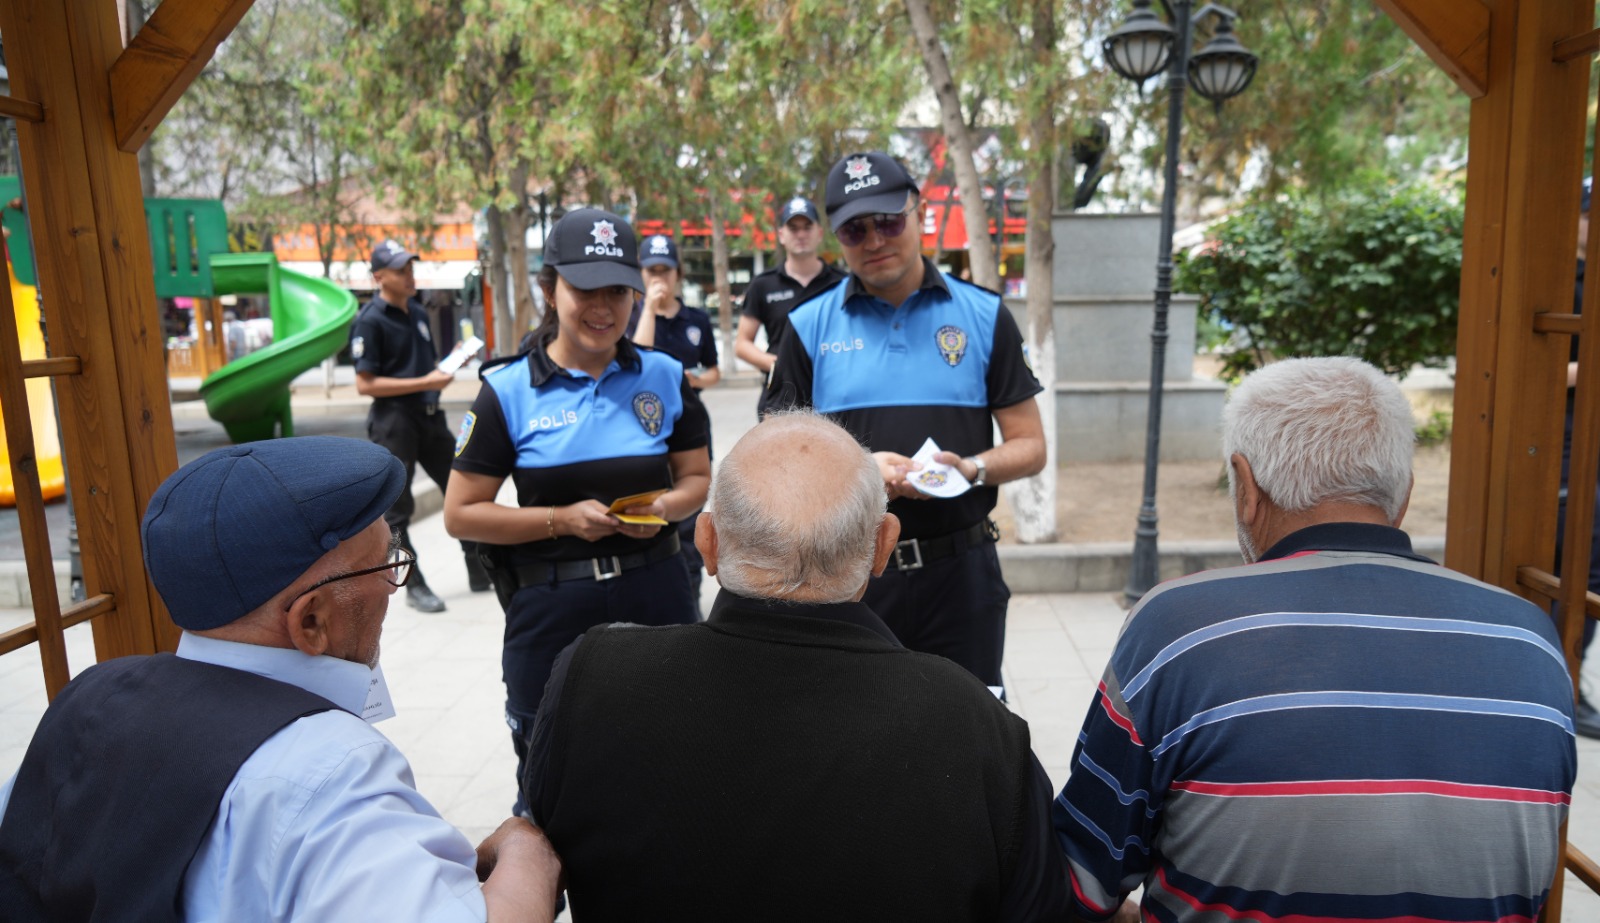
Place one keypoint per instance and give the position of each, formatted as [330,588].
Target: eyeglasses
[854,231]
[400,561]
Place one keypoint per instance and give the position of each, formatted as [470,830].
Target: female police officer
[580,420]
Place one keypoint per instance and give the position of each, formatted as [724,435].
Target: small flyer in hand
[458,357]
[644,499]
[934,479]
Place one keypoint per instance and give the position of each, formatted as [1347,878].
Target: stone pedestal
[1104,307]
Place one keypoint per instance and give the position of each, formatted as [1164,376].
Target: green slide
[310,321]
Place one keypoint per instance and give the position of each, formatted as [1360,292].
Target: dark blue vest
[122,780]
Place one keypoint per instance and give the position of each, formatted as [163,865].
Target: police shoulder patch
[358,347]
[465,434]
[952,342]
[648,410]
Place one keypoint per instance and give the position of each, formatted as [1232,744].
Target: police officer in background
[665,323]
[397,367]
[901,352]
[773,294]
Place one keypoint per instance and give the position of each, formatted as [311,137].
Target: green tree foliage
[266,127]
[1340,89]
[1372,270]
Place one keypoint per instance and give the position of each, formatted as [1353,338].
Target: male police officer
[773,294]
[899,353]
[397,367]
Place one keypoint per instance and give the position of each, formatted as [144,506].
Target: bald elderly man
[240,779]
[788,759]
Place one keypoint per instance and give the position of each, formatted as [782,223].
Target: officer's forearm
[753,354]
[384,386]
[1021,457]
[686,497]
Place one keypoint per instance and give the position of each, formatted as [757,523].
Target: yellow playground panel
[46,443]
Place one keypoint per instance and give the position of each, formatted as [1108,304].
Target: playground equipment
[41,409]
[189,247]
[310,322]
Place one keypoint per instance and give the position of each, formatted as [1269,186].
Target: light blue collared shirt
[323,821]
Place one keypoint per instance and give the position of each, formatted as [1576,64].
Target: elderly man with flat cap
[240,778]
[901,353]
[788,759]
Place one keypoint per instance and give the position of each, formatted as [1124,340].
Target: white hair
[828,551]
[1315,430]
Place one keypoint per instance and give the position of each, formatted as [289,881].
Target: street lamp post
[1139,49]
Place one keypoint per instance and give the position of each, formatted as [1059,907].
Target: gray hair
[1323,429]
[828,551]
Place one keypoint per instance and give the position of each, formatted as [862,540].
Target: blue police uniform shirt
[563,437]
[938,365]
[323,821]
[686,336]
[394,342]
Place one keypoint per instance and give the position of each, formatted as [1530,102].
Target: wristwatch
[983,470]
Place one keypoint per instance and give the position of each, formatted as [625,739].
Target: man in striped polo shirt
[1339,730]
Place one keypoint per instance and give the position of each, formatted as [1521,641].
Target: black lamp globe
[1223,68]
[1139,48]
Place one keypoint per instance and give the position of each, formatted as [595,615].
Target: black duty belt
[915,553]
[426,410]
[596,568]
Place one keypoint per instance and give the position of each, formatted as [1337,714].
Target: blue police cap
[658,250]
[233,528]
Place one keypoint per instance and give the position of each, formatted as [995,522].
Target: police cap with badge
[592,248]
[659,250]
[871,183]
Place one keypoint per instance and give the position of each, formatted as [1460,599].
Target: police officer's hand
[436,380]
[657,294]
[894,468]
[587,519]
[643,530]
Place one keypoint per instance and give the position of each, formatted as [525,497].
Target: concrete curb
[1086,567]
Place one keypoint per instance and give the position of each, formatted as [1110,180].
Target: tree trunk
[516,221]
[985,271]
[719,274]
[505,322]
[1033,500]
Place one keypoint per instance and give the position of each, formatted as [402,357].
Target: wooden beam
[56,365]
[1576,47]
[21,109]
[163,59]
[1454,33]
[98,295]
[30,500]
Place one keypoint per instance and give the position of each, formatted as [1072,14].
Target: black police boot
[477,577]
[422,599]
[1586,718]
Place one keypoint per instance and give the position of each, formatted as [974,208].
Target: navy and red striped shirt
[1344,731]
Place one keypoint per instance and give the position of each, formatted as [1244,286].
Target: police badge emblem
[358,347]
[422,328]
[465,434]
[694,336]
[647,408]
[952,343]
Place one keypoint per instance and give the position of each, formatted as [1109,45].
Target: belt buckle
[916,550]
[603,575]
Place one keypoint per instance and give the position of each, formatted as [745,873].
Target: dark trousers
[954,607]
[543,619]
[416,438]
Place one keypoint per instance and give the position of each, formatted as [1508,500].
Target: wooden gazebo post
[84,106]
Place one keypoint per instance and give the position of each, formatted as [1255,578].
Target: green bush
[1372,270]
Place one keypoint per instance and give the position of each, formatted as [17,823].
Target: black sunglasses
[400,561]
[854,231]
